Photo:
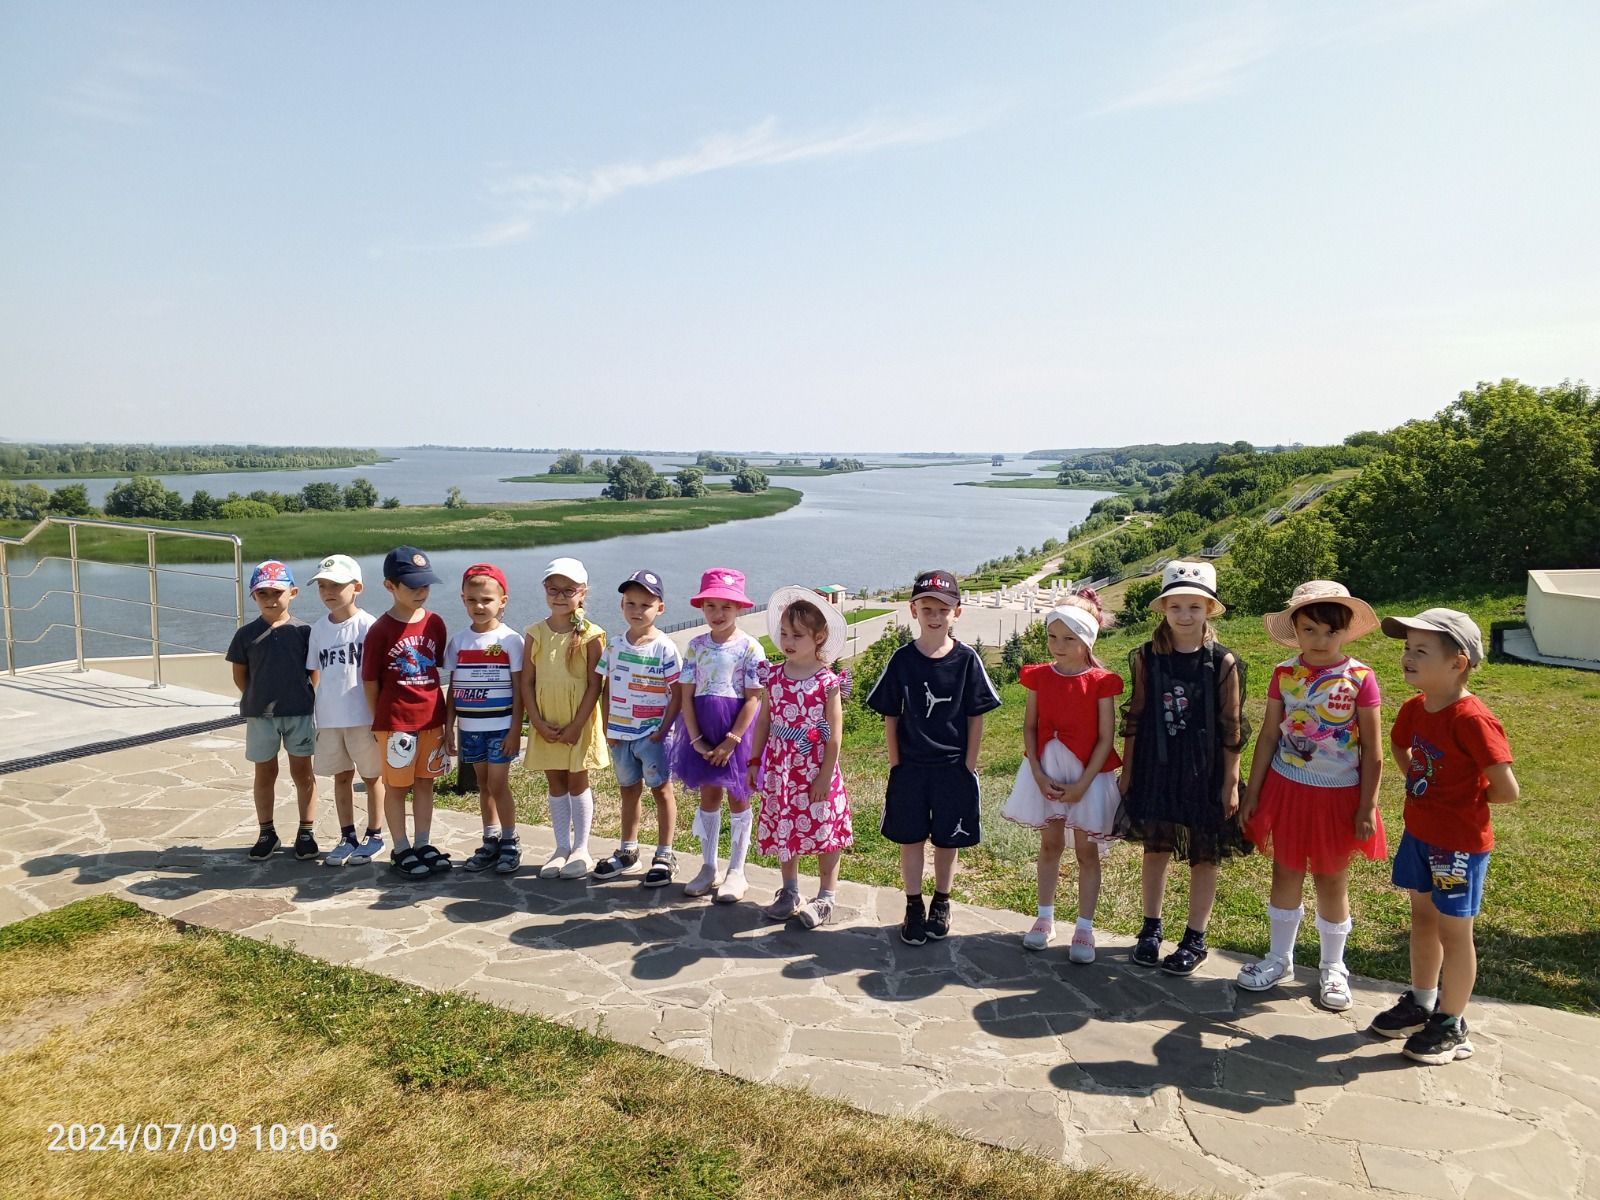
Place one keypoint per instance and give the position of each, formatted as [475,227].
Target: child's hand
[1124,782]
[1051,789]
[820,787]
[1230,797]
[658,735]
[569,735]
[450,740]
[1073,792]
[1247,807]
[511,744]
[722,752]
[1366,821]
[750,773]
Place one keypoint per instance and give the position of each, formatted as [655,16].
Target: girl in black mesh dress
[1183,728]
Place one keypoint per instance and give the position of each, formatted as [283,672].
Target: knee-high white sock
[561,818]
[582,820]
[1285,926]
[1333,935]
[708,827]
[740,824]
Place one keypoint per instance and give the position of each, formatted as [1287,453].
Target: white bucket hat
[781,599]
[1189,577]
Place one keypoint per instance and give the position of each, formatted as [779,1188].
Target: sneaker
[662,868]
[621,862]
[732,888]
[1042,933]
[265,845]
[485,856]
[1082,949]
[703,882]
[305,845]
[552,865]
[1266,974]
[510,859]
[938,924]
[816,913]
[1191,952]
[1333,992]
[1443,1039]
[340,854]
[914,929]
[578,865]
[369,849]
[784,905]
[1403,1019]
[1147,950]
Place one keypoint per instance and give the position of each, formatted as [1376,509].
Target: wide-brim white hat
[1190,577]
[833,647]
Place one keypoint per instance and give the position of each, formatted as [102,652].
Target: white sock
[740,823]
[1047,912]
[422,837]
[582,820]
[824,894]
[1285,926]
[708,828]
[1085,925]
[508,833]
[401,843]
[1333,935]
[561,818]
[1427,997]
[490,832]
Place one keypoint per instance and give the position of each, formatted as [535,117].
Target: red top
[1069,707]
[404,661]
[1447,793]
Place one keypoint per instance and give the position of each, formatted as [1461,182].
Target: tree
[750,480]
[1104,560]
[630,479]
[452,498]
[71,500]
[203,506]
[569,462]
[33,502]
[692,483]
[321,496]
[246,510]
[660,488]
[359,493]
[143,496]
[391,502]
[1265,565]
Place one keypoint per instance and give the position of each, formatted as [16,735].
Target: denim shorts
[639,760]
[263,736]
[1453,878]
[483,745]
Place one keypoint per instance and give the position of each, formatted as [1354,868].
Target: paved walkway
[1186,1081]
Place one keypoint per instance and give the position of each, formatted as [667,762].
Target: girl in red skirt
[1312,799]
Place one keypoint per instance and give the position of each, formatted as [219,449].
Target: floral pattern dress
[790,825]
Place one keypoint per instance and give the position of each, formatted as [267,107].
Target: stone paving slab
[1188,1082]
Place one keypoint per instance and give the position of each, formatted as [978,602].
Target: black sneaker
[1147,950]
[1404,1019]
[485,856]
[662,868]
[938,923]
[305,845]
[1443,1039]
[1190,953]
[914,929]
[622,862]
[265,845]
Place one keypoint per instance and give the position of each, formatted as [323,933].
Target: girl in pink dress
[794,761]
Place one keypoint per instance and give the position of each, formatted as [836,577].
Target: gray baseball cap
[1459,627]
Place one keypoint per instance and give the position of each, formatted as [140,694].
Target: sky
[873,227]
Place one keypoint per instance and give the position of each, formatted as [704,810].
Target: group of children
[393,698]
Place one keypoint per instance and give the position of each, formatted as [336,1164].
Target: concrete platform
[1519,643]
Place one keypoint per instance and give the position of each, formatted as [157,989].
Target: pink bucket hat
[722,583]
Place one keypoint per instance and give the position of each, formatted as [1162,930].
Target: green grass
[580,478]
[864,614]
[430,1094]
[472,527]
[1034,481]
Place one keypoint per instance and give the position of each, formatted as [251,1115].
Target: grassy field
[472,527]
[579,478]
[113,1015]
[1537,936]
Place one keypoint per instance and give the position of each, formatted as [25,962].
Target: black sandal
[409,863]
[1185,958]
[1147,950]
[436,861]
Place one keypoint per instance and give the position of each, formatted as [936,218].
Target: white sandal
[1264,975]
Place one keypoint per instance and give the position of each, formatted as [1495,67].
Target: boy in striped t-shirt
[640,669]
[484,703]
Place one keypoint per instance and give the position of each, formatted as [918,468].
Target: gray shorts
[263,736]
[640,761]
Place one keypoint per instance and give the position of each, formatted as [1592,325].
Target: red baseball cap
[488,570]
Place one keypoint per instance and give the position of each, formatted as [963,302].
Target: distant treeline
[23,459]
[1185,454]
[144,497]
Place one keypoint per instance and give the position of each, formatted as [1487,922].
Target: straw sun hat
[1280,625]
[833,647]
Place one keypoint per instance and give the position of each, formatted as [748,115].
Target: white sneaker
[340,854]
[553,865]
[1082,949]
[1260,976]
[579,865]
[366,852]
[1334,992]
[703,882]
[732,888]
[1040,935]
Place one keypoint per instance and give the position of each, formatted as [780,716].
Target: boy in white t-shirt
[483,712]
[344,719]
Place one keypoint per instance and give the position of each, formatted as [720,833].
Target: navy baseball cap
[648,580]
[410,566]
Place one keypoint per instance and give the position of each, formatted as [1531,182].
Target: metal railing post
[5,603]
[155,613]
[77,595]
[238,581]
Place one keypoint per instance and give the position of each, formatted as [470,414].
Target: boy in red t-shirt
[1457,762]
[400,672]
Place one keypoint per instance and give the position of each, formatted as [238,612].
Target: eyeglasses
[561,593]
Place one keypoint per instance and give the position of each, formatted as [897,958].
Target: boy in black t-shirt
[932,695]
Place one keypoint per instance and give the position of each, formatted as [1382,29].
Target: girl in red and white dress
[1066,787]
[794,758]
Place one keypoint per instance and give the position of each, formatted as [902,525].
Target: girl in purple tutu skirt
[721,688]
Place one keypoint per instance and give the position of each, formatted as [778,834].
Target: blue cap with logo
[409,566]
[273,575]
[648,580]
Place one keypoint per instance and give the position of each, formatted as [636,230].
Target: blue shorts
[1454,878]
[483,746]
[640,761]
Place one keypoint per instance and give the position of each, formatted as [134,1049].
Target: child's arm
[1130,722]
[1106,710]
[241,676]
[758,744]
[1231,716]
[674,703]
[1030,749]
[512,745]
[723,751]
[1369,726]
[1503,787]
[891,740]
[530,703]
[1266,748]
[1402,757]
[370,687]
[591,696]
[449,722]
[314,677]
[823,783]
[974,741]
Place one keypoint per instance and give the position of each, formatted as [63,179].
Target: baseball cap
[570,567]
[273,575]
[489,571]
[338,568]
[410,566]
[1457,626]
[648,580]
[941,585]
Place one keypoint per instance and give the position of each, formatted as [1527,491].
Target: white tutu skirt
[1093,816]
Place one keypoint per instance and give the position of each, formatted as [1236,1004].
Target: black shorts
[925,802]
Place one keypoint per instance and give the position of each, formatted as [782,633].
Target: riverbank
[1037,481]
[432,527]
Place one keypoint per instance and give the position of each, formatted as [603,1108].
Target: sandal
[1185,958]
[436,861]
[408,863]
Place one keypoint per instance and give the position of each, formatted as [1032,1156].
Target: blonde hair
[1161,639]
[1088,599]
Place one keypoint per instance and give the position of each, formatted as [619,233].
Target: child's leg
[502,810]
[708,824]
[1087,853]
[486,805]
[422,810]
[1333,915]
[666,815]
[1285,910]
[828,872]
[789,869]
[560,811]
[394,812]
[631,795]
[911,863]
[582,811]
[1052,845]
[305,786]
[1153,882]
[344,797]
[376,803]
[1460,964]
[1427,950]
[1202,894]
[263,789]
[944,869]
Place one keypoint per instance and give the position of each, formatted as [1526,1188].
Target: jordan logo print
[959,830]
[933,700]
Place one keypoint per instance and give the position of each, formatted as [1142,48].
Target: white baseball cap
[338,568]
[570,567]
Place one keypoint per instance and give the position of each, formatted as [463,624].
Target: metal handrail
[151,566]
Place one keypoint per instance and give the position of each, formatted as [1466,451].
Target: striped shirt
[639,681]
[481,666]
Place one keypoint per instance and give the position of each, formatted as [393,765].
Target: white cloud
[1202,65]
[125,88]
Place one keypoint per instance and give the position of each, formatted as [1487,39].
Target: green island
[1048,483]
[471,526]
[38,460]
